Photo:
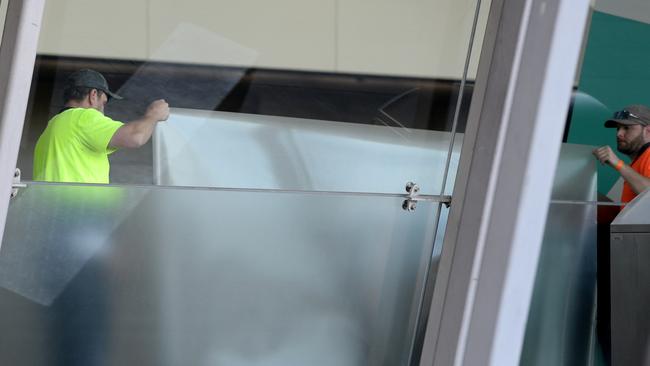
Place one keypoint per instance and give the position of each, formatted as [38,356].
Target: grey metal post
[17,56]
[489,260]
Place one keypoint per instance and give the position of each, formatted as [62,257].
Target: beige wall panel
[477,45]
[411,37]
[94,28]
[287,34]
[408,37]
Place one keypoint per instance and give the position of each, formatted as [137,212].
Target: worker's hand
[606,155]
[158,110]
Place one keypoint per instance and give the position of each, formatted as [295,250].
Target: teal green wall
[616,73]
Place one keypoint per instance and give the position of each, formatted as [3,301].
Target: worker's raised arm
[136,133]
[637,182]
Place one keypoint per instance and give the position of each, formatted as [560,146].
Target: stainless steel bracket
[410,203]
[413,196]
[16,185]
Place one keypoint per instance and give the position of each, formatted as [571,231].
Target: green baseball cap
[90,79]
[636,114]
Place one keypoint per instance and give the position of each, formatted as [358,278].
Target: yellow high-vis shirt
[74,147]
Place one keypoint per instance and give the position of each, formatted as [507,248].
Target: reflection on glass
[48,241]
[171,276]
[575,174]
[608,83]
[561,323]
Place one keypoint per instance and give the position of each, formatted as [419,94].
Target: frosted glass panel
[561,324]
[166,276]
[55,235]
[560,329]
[575,174]
[219,149]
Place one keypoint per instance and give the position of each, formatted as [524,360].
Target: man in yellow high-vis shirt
[76,142]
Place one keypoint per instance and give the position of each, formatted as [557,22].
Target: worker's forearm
[141,129]
[637,182]
[136,133]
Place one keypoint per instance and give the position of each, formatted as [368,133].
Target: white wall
[409,37]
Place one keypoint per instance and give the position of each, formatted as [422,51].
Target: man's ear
[646,132]
[89,96]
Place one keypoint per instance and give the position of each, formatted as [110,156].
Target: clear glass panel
[393,73]
[427,290]
[122,275]
[606,83]
[466,88]
[328,95]
[561,320]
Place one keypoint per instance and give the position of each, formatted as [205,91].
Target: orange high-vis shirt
[640,165]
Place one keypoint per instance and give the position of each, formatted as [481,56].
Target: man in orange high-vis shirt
[633,139]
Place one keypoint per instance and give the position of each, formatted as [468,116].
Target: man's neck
[640,151]
[77,104]
[80,104]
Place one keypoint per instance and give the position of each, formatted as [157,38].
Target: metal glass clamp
[16,185]
[413,196]
[410,202]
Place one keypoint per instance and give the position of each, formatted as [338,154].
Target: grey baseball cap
[636,114]
[90,79]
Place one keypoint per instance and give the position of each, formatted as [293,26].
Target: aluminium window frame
[503,187]
[17,56]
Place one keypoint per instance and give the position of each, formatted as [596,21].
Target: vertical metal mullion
[422,313]
[3,14]
[17,57]
[512,141]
